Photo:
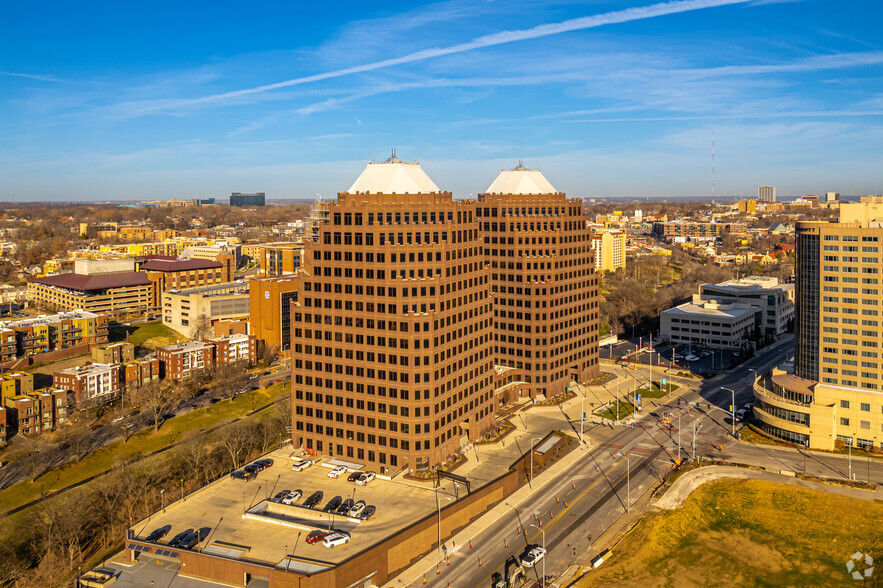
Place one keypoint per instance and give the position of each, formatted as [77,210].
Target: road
[598,485]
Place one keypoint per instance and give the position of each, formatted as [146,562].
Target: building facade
[169,274]
[608,247]
[92,384]
[234,349]
[775,300]
[836,390]
[280,259]
[711,324]
[184,360]
[36,413]
[667,231]
[113,353]
[766,193]
[270,306]
[53,332]
[239,199]
[193,309]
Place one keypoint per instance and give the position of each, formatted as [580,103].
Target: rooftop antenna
[712,167]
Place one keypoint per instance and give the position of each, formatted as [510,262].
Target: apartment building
[235,348]
[193,309]
[690,230]
[92,384]
[543,281]
[38,412]
[16,384]
[184,360]
[280,259]
[53,332]
[137,372]
[8,345]
[394,333]
[113,353]
[3,424]
[836,390]
[766,193]
[168,274]
[608,249]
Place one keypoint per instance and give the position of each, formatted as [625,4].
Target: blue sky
[130,100]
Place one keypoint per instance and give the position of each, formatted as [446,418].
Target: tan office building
[836,390]
[608,249]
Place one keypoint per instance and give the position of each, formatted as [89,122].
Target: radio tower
[712,167]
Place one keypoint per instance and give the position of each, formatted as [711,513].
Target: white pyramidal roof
[394,176]
[521,181]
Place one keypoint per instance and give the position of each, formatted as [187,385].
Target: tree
[158,397]
[201,328]
[236,439]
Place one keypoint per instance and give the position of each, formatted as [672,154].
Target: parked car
[176,540]
[264,463]
[366,514]
[253,468]
[532,556]
[189,541]
[691,358]
[365,478]
[292,497]
[315,536]
[356,509]
[333,504]
[344,507]
[301,465]
[748,406]
[243,475]
[282,494]
[335,538]
[158,534]
[314,499]
[353,476]
[336,471]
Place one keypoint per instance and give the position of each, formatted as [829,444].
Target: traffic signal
[679,401]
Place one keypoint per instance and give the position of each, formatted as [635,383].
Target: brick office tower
[543,281]
[392,343]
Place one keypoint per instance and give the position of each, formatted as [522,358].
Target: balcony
[761,392]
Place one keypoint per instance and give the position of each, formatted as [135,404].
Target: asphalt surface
[600,483]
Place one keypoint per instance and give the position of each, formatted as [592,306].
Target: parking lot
[268,534]
[695,359]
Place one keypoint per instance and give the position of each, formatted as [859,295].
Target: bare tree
[201,328]
[236,439]
[158,397]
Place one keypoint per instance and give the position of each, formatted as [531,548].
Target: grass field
[625,409]
[141,443]
[747,533]
[146,335]
[656,392]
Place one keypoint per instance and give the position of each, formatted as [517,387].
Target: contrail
[501,38]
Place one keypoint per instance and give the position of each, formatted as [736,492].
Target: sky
[154,100]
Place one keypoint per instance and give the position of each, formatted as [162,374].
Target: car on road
[365,478]
[706,353]
[280,496]
[344,507]
[244,475]
[335,538]
[748,406]
[314,499]
[532,556]
[264,463]
[740,414]
[353,476]
[301,465]
[333,504]
[315,536]
[368,512]
[356,509]
[336,471]
[292,497]
[176,540]
[158,534]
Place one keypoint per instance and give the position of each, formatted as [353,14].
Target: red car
[316,536]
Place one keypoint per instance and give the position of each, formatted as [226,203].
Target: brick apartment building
[38,412]
[53,332]
[113,353]
[667,231]
[137,372]
[235,348]
[92,384]
[409,299]
[184,360]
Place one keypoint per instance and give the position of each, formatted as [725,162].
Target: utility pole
[732,409]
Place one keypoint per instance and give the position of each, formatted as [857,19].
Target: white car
[365,478]
[335,538]
[691,358]
[292,497]
[357,509]
[533,556]
[336,471]
[301,465]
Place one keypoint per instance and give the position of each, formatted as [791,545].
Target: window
[844,404]
[866,407]
[844,422]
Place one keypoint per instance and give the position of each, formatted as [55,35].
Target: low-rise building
[38,412]
[608,246]
[710,324]
[185,360]
[689,230]
[92,384]
[271,303]
[113,352]
[235,348]
[193,309]
[138,372]
[7,344]
[16,384]
[775,300]
[169,274]
[57,331]
[2,425]
[96,285]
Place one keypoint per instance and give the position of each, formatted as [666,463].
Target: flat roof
[794,384]
[173,265]
[245,526]
[86,283]
[49,319]
[714,310]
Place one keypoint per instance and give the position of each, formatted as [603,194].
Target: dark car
[333,504]
[345,506]
[189,541]
[158,534]
[176,540]
[314,499]
[243,475]
[366,514]
[315,536]
[353,476]
[264,463]
[252,468]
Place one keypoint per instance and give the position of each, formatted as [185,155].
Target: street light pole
[162,499]
[544,551]
[438,508]
[679,437]
[732,409]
